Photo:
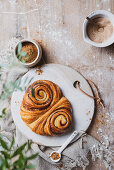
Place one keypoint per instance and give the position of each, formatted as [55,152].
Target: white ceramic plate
[83,106]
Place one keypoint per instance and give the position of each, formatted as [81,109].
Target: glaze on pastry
[46,111]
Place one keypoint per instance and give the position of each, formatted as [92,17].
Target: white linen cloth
[75,155]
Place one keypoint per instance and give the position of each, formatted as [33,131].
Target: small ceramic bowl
[39,55]
[95,14]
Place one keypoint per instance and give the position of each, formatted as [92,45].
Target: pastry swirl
[45,110]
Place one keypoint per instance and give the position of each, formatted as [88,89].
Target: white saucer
[83,106]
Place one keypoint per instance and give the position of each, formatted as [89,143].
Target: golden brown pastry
[45,110]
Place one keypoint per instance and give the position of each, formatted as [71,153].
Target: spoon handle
[68,141]
[92,22]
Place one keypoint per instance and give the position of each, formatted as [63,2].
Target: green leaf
[30,166]
[6,89]
[20,161]
[29,145]
[32,157]
[2,96]
[23,54]
[6,154]
[1,161]
[17,83]
[4,111]
[19,150]
[33,92]
[7,163]
[19,57]
[19,47]
[3,144]
[4,167]
[12,143]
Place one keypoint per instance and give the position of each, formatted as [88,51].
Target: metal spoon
[73,135]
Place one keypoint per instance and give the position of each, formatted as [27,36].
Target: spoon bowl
[55,160]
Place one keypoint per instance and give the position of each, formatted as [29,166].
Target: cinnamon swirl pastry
[45,110]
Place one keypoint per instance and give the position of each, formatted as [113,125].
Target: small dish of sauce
[28,52]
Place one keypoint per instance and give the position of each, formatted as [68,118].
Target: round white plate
[83,106]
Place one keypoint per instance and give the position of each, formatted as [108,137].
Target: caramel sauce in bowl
[31,50]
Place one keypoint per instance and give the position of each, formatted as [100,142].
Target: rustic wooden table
[57,26]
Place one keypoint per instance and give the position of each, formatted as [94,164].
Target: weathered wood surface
[57,26]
